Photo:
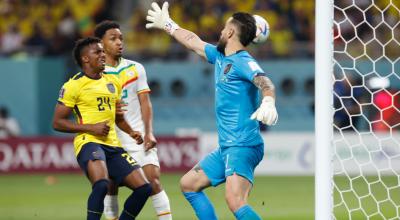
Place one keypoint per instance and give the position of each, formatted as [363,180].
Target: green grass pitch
[25,197]
[29,197]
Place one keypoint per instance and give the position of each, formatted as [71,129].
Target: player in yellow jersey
[93,96]
[139,115]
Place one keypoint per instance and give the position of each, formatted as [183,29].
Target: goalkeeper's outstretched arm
[159,18]
[190,40]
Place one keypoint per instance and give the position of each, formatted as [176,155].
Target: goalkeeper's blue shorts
[224,162]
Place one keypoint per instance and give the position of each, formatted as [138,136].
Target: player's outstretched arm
[266,113]
[62,123]
[159,18]
[124,126]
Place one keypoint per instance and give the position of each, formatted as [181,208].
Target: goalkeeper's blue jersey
[236,97]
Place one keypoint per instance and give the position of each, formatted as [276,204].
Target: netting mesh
[366,109]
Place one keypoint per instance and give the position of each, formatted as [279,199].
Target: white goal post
[323,108]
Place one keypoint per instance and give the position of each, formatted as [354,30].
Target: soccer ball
[262,30]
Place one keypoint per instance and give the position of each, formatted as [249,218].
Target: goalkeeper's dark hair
[101,28]
[80,45]
[247,26]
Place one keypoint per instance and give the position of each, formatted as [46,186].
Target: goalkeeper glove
[266,113]
[159,18]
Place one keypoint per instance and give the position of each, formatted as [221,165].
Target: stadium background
[39,177]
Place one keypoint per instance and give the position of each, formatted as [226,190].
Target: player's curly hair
[80,45]
[101,28]
[247,26]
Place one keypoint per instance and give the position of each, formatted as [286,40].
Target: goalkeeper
[238,80]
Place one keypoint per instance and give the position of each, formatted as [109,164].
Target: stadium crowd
[49,27]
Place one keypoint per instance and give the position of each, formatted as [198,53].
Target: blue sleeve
[211,53]
[249,69]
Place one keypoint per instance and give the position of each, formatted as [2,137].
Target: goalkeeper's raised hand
[266,113]
[159,18]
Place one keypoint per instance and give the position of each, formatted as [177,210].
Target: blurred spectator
[12,41]
[67,27]
[84,12]
[37,42]
[64,35]
[301,18]
[282,39]
[387,116]
[346,102]
[8,126]
[389,103]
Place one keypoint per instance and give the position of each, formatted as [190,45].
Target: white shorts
[145,158]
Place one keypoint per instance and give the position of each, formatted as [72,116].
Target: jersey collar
[237,52]
[118,63]
[91,77]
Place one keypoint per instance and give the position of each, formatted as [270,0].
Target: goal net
[366,109]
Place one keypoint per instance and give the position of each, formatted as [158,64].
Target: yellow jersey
[93,101]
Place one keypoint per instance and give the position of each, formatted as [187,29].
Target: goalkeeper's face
[226,34]
[113,42]
[222,41]
[221,45]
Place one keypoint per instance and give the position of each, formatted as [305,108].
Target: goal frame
[323,109]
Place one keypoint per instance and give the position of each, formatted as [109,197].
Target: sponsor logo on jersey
[111,87]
